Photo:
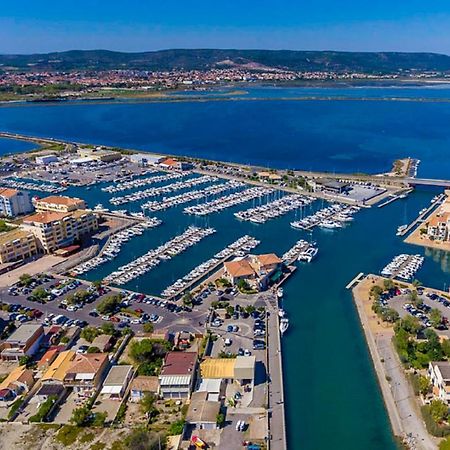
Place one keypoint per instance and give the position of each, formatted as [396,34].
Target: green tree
[249,309]
[416,283]
[141,439]
[424,385]
[388,284]
[376,291]
[390,315]
[90,333]
[40,294]
[80,416]
[230,310]
[99,419]
[108,328]
[410,324]
[148,327]
[220,419]
[147,402]
[141,351]
[435,317]
[187,299]
[438,410]
[97,284]
[93,350]
[25,279]
[445,344]
[243,285]
[109,304]
[176,427]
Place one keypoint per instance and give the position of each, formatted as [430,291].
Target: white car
[247,352]
[228,342]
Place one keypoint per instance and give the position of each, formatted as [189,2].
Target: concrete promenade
[277,424]
[400,401]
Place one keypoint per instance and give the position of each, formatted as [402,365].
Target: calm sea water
[335,135]
[14,146]
[332,397]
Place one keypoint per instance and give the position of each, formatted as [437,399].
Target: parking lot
[402,303]
[55,304]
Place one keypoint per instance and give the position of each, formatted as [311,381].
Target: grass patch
[97,446]
[87,437]
[14,408]
[117,445]
[68,434]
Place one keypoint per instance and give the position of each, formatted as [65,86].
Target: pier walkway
[421,217]
[213,268]
[277,424]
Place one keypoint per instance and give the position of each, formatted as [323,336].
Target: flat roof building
[202,413]
[116,381]
[25,341]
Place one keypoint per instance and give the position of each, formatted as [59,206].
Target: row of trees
[415,352]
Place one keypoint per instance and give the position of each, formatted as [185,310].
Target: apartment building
[14,203]
[55,230]
[59,203]
[16,245]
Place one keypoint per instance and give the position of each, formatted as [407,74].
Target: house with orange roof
[18,382]
[257,270]
[14,203]
[172,163]
[86,372]
[59,203]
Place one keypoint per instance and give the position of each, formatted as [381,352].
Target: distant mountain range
[205,59]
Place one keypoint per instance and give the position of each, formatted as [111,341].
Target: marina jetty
[361,190]
[399,398]
[432,228]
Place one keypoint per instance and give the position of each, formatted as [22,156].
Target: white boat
[281,312]
[401,229]
[308,255]
[284,325]
[280,292]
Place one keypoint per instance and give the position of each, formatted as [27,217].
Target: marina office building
[14,203]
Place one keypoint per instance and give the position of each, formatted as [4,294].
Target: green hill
[204,59]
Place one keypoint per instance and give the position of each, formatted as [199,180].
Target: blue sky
[31,26]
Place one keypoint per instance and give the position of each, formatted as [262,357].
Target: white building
[46,159]
[14,203]
[439,374]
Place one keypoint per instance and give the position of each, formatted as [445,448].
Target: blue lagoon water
[350,135]
[332,397]
[14,146]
